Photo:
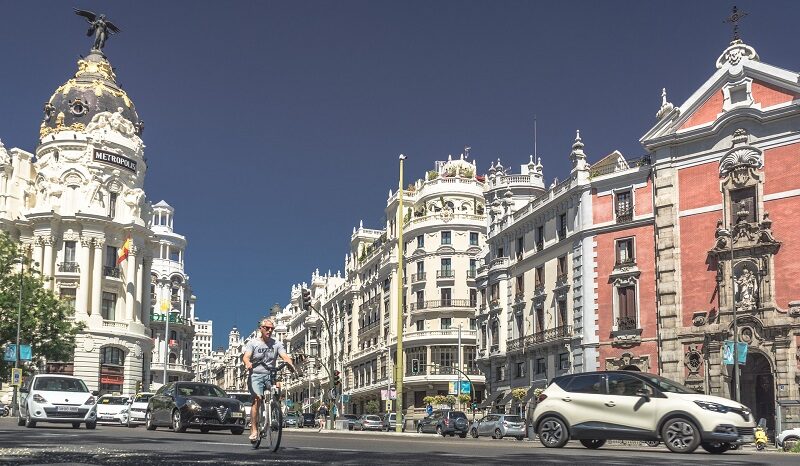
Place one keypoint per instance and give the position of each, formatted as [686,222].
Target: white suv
[596,406]
[56,398]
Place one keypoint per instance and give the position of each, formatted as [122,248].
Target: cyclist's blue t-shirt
[263,354]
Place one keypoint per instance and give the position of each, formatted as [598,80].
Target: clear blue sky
[274,127]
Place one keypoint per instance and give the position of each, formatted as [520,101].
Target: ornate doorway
[758,388]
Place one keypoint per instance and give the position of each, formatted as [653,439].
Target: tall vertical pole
[165,358]
[737,389]
[458,387]
[400,359]
[14,407]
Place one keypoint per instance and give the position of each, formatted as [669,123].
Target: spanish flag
[124,250]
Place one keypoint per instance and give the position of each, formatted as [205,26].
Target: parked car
[245,398]
[351,419]
[308,420]
[183,405]
[390,422]
[110,407]
[291,420]
[56,398]
[134,413]
[499,426]
[595,406]
[368,422]
[788,438]
[444,422]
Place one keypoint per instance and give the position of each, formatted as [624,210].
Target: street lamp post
[19,319]
[736,385]
[400,359]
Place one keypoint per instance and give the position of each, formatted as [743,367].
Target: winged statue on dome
[100,26]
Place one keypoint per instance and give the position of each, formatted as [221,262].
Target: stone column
[130,283]
[137,290]
[147,263]
[84,257]
[97,274]
[37,253]
[47,261]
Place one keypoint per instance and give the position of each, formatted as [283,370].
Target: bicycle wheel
[261,421]
[274,428]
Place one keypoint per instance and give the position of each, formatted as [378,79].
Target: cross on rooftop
[734,18]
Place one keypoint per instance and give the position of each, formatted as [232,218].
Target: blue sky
[274,127]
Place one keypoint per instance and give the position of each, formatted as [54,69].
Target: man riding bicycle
[260,354]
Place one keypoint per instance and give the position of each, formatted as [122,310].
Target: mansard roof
[741,86]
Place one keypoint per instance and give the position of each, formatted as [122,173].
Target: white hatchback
[134,413]
[596,406]
[56,398]
[110,407]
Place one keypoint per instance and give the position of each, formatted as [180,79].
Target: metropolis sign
[114,159]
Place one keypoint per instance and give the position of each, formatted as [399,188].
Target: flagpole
[399,359]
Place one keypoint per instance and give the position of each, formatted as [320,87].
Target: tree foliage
[46,323]
[372,407]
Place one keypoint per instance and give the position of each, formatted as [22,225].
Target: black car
[445,422]
[181,405]
[307,420]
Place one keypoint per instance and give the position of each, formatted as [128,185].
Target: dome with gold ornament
[91,91]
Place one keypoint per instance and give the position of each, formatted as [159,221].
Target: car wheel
[204,430]
[419,429]
[473,433]
[680,435]
[553,433]
[463,435]
[440,431]
[91,425]
[177,422]
[790,442]
[520,438]
[497,434]
[76,425]
[20,420]
[237,430]
[593,444]
[29,423]
[716,448]
[148,421]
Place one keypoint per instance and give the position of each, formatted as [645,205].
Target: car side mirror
[643,392]
[23,390]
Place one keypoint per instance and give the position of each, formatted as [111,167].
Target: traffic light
[474,406]
[336,380]
[306,295]
[138,386]
[415,366]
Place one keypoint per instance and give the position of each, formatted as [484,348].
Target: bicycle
[269,422]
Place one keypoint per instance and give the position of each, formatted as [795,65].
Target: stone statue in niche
[746,290]
[134,198]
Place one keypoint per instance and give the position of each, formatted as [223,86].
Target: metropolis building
[72,204]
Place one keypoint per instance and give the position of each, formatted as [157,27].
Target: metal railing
[624,213]
[544,336]
[69,267]
[110,271]
[471,273]
[417,277]
[439,303]
[626,323]
[369,326]
[625,262]
[445,273]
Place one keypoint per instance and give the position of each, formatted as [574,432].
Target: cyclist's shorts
[258,383]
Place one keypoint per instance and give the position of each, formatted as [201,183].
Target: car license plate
[236,414]
[106,418]
[748,438]
[67,409]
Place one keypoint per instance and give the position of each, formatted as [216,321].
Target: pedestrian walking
[322,415]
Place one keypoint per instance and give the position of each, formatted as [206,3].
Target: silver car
[368,422]
[499,426]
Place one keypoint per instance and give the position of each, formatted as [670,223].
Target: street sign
[16,377]
[465,388]
[345,398]
[388,394]
[25,352]
[727,353]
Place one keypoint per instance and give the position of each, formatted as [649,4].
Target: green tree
[372,407]
[46,323]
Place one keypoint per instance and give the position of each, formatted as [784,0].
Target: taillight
[446,421]
[541,397]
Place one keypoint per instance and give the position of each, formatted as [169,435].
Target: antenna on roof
[535,153]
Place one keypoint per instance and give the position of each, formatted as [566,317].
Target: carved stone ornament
[628,359]
[794,309]
[741,157]
[699,319]
[88,344]
[746,335]
[735,53]
[693,360]
[746,289]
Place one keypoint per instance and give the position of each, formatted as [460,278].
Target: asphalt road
[113,445]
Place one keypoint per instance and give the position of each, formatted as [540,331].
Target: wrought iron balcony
[562,232]
[111,271]
[542,337]
[418,277]
[625,262]
[439,303]
[445,273]
[69,267]
[471,273]
[626,323]
[562,279]
[538,288]
[624,213]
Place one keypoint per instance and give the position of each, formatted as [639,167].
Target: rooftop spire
[577,156]
[734,19]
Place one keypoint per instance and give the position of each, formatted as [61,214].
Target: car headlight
[242,407]
[90,401]
[193,405]
[39,398]
[716,407]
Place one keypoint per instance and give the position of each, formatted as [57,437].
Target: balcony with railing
[494,304]
[624,213]
[519,297]
[471,274]
[627,332]
[418,277]
[438,304]
[498,263]
[445,273]
[562,232]
[543,337]
[69,267]
[625,262]
[109,271]
[368,327]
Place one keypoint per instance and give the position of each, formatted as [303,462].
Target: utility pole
[14,407]
[458,387]
[400,359]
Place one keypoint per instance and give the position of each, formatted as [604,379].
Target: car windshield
[143,398]
[457,414]
[667,385]
[112,400]
[200,390]
[513,419]
[243,397]
[60,384]
[372,418]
